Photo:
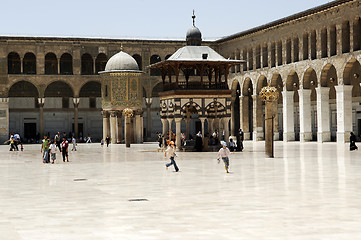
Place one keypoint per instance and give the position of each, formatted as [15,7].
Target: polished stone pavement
[308,191]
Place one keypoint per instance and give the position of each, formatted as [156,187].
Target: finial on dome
[194,17]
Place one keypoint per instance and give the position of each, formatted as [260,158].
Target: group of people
[50,147]
[14,141]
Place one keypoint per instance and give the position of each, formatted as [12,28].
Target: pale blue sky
[141,18]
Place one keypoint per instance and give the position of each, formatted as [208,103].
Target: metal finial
[121,47]
[194,17]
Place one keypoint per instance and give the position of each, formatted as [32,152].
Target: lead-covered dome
[121,62]
[194,36]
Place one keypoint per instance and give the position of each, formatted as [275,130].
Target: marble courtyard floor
[308,191]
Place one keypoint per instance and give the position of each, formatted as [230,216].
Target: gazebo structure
[122,96]
[195,84]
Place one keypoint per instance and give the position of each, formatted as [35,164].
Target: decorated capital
[128,112]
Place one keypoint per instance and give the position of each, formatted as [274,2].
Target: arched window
[324,42]
[273,54]
[305,46]
[100,62]
[313,45]
[258,56]
[14,63]
[250,59]
[279,53]
[333,41]
[357,34]
[138,59]
[288,51]
[265,55]
[29,63]
[245,58]
[296,50]
[87,66]
[51,64]
[66,64]
[345,37]
[154,59]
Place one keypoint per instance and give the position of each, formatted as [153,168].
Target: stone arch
[329,79]
[58,89]
[66,64]
[90,89]
[215,108]
[14,63]
[351,72]
[276,81]
[345,37]
[154,59]
[262,82]
[51,63]
[87,65]
[29,63]
[191,107]
[100,62]
[310,82]
[156,89]
[292,84]
[247,108]
[247,89]
[138,59]
[23,89]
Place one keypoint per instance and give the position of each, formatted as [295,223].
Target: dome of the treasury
[194,35]
[121,62]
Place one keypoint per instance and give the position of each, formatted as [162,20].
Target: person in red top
[64,149]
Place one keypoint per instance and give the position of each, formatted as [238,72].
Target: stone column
[149,130]
[244,116]
[276,133]
[4,119]
[113,127]
[305,115]
[233,118]
[269,108]
[202,123]
[323,114]
[210,125]
[170,120]
[139,129]
[178,132]
[41,102]
[165,125]
[76,116]
[257,118]
[58,65]
[288,117]
[128,130]
[187,127]
[120,128]
[344,112]
[105,124]
[22,70]
[226,129]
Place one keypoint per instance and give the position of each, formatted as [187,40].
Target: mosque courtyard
[308,191]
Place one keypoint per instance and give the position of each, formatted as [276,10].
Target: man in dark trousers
[107,139]
[240,140]
[64,149]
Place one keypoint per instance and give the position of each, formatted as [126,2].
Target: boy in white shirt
[224,153]
[53,150]
[171,154]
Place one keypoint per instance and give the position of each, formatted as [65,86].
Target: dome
[121,62]
[194,36]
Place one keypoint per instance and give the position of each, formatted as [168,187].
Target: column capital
[322,90]
[113,113]
[343,88]
[177,119]
[202,119]
[105,114]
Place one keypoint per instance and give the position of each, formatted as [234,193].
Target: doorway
[29,131]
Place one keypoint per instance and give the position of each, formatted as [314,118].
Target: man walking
[45,149]
[64,149]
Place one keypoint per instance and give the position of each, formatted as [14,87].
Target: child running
[53,150]
[224,153]
[171,154]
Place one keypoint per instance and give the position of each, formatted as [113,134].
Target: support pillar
[210,125]
[202,123]
[276,133]
[120,128]
[165,126]
[105,124]
[233,118]
[178,132]
[187,127]
[244,116]
[41,102]
[138,129]
[128,130]
[257,118]
[288,116]
[113,127]
[76,116]
[344,112]
[323,114]
[305,115]
[149,130]
[226,129]
[170,120]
